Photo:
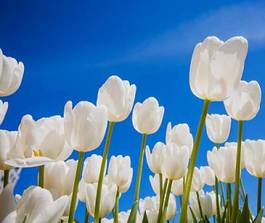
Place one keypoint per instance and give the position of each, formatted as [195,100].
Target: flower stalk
[259,195]
[183,215]
[41,176]
[86,217]
[116,210]
[199,204]
[6,177]
[168,191]
[75,188]
[102,169]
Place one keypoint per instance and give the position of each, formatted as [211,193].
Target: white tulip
[59,179]
[39,142]
[155,183]
[218,127]
[11,74]
[123,218]
[120,172]
[254,156]
[244,103]
[7,145]
[177,187]
[3,110]
[7,201]
[175,161]
[117,96]
[197,180]
[207,175]
[147,116]
[155,159]
[172,207]
[84,125]
[223,162]
[107,200]
[150,206]
[180,135]
[37,206]
[216,67]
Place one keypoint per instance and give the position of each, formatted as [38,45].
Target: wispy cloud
[245,19]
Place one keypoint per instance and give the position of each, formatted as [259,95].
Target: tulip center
[37,153]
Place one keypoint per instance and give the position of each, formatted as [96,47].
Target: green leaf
[224,214]
[244,217]
[258,219]
[145,219]
[133,213]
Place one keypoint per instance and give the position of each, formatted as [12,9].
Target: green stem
[75,188]
[86,217]
[6,177]
[259,195]
[116,212]
[160,187]
[167,200]
[217,201]
[199,203]
[102,169]
[222,194]
[183,215]
[163,199]
[238,172]
[229,200]
[242,189]
[41,176]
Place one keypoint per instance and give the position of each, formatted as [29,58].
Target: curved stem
[217,201]
[132,217]
[183,215]
[41,176]
[102,169]
[238,172]
[166,200]
[259,195]
[75,188]
[199,203]
[116,212]
[86,216]
[6,177]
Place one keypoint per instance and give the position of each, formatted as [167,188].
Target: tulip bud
[120,172]
[85,125]
[218,127]
[216,67]
[11,74]
[147,116]
[118,97]
[244,104]
[155,159]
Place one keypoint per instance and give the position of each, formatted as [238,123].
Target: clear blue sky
[69,48]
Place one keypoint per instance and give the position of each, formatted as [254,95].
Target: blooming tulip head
[177,187]
[118,97]
[84,125]
[244,103]
[150,206]
[218,127]
[201,176]
[3,110]
[107,201]
[180,135]
[216,67]
[223,162]
[175,161]
[37,205]
[155,158]
[147,116]
[155,183]
[120,172]
[254,157]
[39,142]
[11,74]
[7,145]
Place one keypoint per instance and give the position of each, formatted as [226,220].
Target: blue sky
[69,49]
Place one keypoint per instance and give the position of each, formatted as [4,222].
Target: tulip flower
[123,217]
[218,127]
[118,97]
[29,208]
[11,74]
[91,169]
[150,206]
[244,104]
[107,199]
[7,201]
[155,159]
[180,135]
[156,183]
[254,156]
[59,179]
[3,110]
[177,187]
[201,176]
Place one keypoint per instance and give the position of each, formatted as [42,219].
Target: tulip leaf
[224,214]
[244,216]
[258,219]
[133,213]
[145,219]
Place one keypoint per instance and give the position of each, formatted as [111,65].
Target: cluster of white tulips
[100,181]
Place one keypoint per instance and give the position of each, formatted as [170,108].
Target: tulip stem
[86,216]
[217,201]
[168,191]
[229,200]
[6,177]
[162,201]
[116,211]
[161,187]
[238,172]
[102,171]
[222,194]
[75,188]
[183,215]
[259,195]
[41,176]
[199,204]
[133,214]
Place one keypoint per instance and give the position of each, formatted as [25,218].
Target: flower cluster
[100,181]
